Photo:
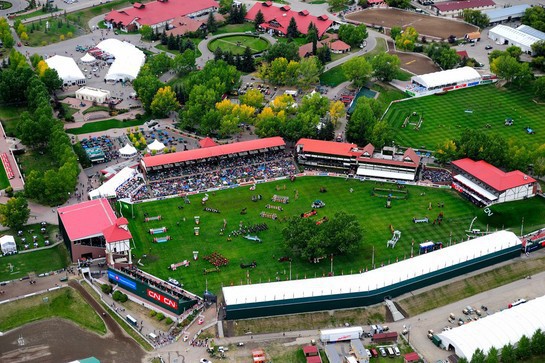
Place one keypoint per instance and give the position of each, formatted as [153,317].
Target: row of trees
[522,351]
[405,39]
[383,66]
[244,62]
[353,35]
[442,54]
[365,126]
[39,130]
[535,17]
[476,17]
[507,66]
[5,34]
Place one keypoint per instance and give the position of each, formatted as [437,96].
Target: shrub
[117,295]
[9,191]
[160,316]
[123,298]
[152,313]
[168,321]
[107,289]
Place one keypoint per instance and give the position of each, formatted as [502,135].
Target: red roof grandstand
[327,147]
[492,176]
[157,12]
[87,219]
[278,18]
[209,152]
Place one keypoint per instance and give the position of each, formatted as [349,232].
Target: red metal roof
[310,349]
[314,359]
[463,54]
[492,176]
[209,152]
[339,45]
[328,147]
[157,12]
[207,142]
[117,232]
[461,5]
[283,18]
[411,357]
[87,219]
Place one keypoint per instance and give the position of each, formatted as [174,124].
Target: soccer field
[482,108]
[375,220]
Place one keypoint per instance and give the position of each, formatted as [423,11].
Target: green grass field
[107,125]
[64,303]
[4,181]
[370,211]
[19,265]
[445,116]
[236,44]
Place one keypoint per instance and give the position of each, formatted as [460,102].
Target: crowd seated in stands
[437,176]
[131,187]
[217,173]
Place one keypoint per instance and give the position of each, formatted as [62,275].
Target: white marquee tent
[447,78]
[127,151]
[87,58]
[128,59]
[496,330]
[67,69]
[505,34]
[93,94]
[156,145]
[108,189]
[7,244]
[373,279]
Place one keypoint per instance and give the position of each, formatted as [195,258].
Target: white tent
[7,244]
[447,78]
[128,59]
[156,145]
[87,58]
[108,189]
[127,151]
[67,69]
[93,94]
[503,34]
[496,330]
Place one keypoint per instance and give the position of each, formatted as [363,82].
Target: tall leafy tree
[385,66]
[164,102]
[535,17]
[14,214]
[357,70]
[185,62]
[290,51]
[537,343]
[508,354]
[523,350]
[476,17]
[353,35]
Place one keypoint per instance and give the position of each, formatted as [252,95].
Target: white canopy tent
[93,94]
[108,189]
[128,59]
[374,279]
[7,244]
[67,69]
[496,330]
[447,78]
[87,58]
[127,151]
[156,145]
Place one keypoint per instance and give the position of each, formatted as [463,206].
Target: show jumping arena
[427,25]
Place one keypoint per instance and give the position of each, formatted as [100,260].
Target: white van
[152,336]
[397,352]
[390,352]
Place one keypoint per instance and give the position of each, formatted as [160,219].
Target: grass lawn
[83,16]
[69,111]
[106,125]
[32,14]
[236,44]
[41,261]
[9,115]
[403,75]
[370,211]
[235,28]
[445,116]
[95,109]
[34,160]
[58,31]
[4,5]
[63,303]
[4,181]
[195,41]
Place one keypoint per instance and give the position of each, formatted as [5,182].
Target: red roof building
[314,359]
[411,357]
[463,54]
[484,184]
[207,142]
[338,46]
[88,226]
[241,148]
[182,25]
[158,14]
[310,350]
[277,19]
[456,7]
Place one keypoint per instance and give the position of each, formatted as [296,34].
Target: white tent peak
[128,59]
[128,151]
[156,145]
[87,58]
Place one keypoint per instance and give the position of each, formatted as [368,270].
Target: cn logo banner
[162,299]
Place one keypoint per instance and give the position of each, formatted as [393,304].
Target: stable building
[501,15]
[484,184]
[157,14]
[369,287]
[523,36]
[456,8]
[92,230]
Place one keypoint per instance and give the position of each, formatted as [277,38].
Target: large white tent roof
[127,150]
[514,35]
[497,330]
[7,244]
[66,67]
[87,58]
[108,189]
[373,279]
[156,145]
[128,59]
[451,76]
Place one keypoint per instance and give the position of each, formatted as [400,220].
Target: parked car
[488,47]
[382,351]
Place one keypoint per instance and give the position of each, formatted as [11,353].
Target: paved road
[17,5]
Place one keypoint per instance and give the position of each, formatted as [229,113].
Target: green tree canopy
[385,66]
[14,214]
[353,35]
[476,17]
[164,102]
[357,70]
[290,51]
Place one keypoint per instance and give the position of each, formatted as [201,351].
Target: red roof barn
[277,19]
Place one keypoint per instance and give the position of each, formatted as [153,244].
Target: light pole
[290,270]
